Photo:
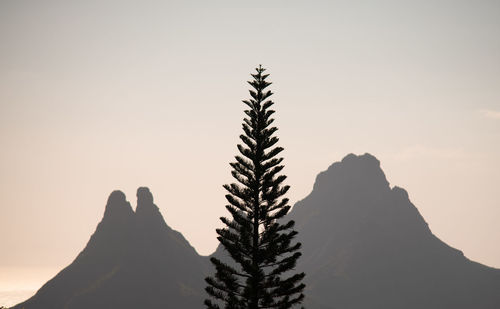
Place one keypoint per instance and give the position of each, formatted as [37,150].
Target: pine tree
[256,237]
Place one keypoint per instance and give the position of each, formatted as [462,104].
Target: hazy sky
[104,95]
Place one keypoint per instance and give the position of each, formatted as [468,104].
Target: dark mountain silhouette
[133,260]
[365,245]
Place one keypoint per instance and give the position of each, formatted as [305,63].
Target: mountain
[365,245]
[133,260]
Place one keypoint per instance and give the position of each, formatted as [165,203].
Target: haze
[104,95]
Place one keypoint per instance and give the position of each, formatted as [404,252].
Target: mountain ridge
[365,245]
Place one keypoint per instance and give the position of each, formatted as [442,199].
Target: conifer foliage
[257,238]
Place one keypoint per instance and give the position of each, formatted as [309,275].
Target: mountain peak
[354,171]
[146,209]
[366,157]
[117,207]
[144,195]
[116,196]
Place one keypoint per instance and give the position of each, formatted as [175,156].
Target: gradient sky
[104,95]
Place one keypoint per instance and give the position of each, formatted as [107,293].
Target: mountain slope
[365,245]
[133,260]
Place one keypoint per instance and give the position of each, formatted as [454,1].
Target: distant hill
[133,260]
[365,245]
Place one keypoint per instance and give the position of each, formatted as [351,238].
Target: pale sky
[103,95]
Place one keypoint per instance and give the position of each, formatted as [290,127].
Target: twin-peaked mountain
[365,245]
[133,260]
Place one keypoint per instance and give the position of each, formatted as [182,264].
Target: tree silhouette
[257,239]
